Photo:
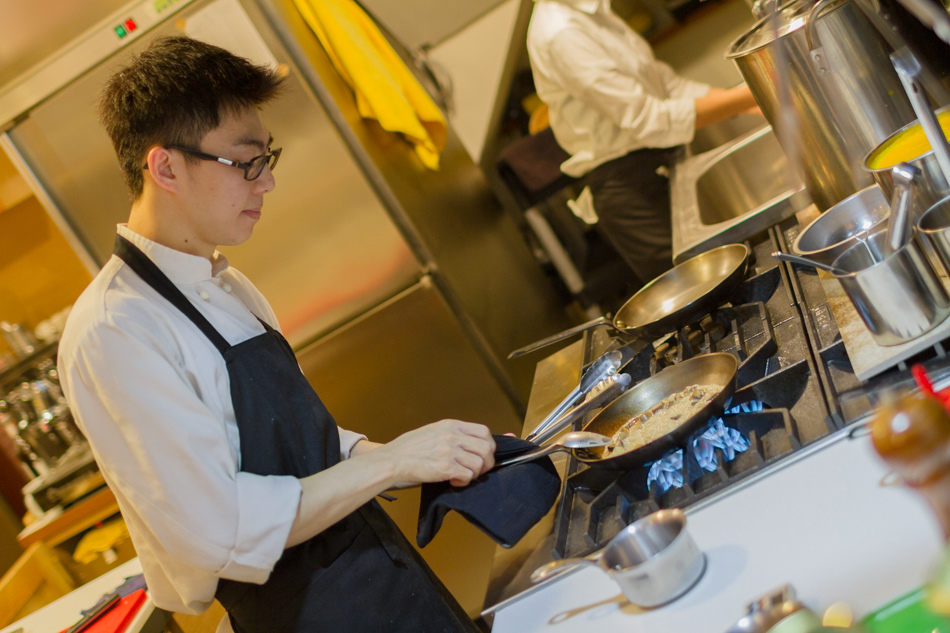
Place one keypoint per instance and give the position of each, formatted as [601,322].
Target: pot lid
[790,18]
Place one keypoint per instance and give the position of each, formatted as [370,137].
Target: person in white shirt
[621,115]
[234,480]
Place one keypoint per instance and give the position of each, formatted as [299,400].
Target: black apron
[359,575]
[632,202]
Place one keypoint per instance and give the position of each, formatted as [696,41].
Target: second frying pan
[677,297]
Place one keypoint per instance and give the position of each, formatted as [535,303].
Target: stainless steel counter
[555,376]
[821,522]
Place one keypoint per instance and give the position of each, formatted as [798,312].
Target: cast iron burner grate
[762,327]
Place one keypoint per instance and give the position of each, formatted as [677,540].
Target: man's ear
[164,167]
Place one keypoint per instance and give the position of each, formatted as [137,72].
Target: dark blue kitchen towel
[504,503]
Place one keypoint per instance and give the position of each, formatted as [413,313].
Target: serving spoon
[567,442]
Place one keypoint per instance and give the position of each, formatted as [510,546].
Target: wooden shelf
[78,518]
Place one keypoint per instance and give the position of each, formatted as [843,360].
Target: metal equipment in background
[387,278]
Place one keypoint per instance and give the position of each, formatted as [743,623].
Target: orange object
[120,616]
[912,434]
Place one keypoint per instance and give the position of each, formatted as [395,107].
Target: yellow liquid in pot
[906,146]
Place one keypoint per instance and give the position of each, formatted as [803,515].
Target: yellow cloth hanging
[385,89]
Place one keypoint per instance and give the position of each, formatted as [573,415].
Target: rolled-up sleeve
[680,87]
[167,456]
[593,75]
[348,440]
[264,540]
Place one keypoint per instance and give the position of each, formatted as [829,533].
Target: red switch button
[130,25]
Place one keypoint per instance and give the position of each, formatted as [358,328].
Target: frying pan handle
[558,567]
[560,336]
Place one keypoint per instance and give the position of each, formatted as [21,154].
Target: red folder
[118,618]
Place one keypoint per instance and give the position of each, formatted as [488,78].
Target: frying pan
[677,297]
[717,369]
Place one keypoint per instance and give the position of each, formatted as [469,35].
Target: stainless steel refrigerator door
[325,249]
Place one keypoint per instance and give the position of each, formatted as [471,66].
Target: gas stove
[795,370]
[792,370]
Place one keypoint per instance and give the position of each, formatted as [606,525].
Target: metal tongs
[599,384]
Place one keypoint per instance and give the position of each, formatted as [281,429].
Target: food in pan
[660,419]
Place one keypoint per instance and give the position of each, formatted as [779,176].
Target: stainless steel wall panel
[325,249]
[450,217]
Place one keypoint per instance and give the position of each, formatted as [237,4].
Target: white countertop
[823,523]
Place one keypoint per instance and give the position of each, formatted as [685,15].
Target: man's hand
[450,450]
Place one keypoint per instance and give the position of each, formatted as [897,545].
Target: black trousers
[632,203]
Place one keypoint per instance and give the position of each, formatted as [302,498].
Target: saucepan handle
[558,567]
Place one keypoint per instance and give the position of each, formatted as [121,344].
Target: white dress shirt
[152,395]
[607,94]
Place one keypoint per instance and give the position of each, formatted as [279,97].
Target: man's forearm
[449,450]
[719,104]
[334,493]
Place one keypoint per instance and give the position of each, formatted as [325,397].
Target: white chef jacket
[151,393]
[607,94]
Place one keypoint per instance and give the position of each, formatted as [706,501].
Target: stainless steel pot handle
[558,567]
[899,226]
[817,53]
[531,455]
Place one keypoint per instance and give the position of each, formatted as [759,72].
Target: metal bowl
[843,225]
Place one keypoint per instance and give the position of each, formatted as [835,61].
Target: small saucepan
[676,298]
[654,560]
[676,420]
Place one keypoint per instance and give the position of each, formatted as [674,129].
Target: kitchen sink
[752,173]
[731,192]
[716,135]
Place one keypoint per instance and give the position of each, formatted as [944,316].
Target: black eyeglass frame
[268,160]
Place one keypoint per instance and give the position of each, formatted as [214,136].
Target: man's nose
[265,182]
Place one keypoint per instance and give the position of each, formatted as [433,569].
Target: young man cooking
[233,478]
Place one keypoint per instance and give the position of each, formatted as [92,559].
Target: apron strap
[154,277]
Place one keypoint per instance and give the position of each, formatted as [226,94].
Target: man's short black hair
[174,93]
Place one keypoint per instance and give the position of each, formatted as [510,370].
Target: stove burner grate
[607,501]
[763,328]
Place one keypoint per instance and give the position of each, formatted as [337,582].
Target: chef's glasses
[252,168]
